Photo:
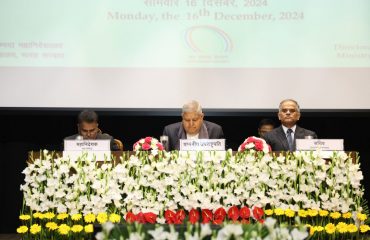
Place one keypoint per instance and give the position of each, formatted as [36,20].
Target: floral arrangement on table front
[255,144]
[327,195]
[268,230]
[148,143]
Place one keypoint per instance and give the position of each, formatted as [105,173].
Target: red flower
[233,213]
[150,217]
[145,146]
[193,216]
[206,216]
[169,216]
[219,216]
[180,216]
[258,213]
[258,145]
[148,140]
[140,217]
[245,212]
[130,217]
[160,146]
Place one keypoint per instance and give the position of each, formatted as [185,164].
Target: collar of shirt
[286,129]
[194,136]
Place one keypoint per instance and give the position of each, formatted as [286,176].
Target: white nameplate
[319,144]
[87,145]
[202,144]
[90,155]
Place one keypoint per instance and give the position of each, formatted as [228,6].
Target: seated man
[192,127]
[265,125]
[283,138]
[87,125]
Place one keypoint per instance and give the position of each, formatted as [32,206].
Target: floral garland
[256,144]
[148,143]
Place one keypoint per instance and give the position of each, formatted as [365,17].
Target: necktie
[290,139]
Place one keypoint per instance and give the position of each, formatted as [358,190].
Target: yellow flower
[302,213]
[76,217]
[89,228]
[364,228]
[24,217]
[279,212]
[312,212]
[114,218]
[37,215]
[22,229]
[269,212]
[90,218]
[335,215]
[102,217]
[49,215]
[323,213]
[352,228]
[361,216]
[35,228]
[62,216]
[77,228]
[341,227]
[319,228]
[52,226]
[312,230]
[330,228]
[64,229]
[347,215]
[289,213]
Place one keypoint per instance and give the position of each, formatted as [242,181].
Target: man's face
[264,129]
[88,130]
[288,114]
[192,122]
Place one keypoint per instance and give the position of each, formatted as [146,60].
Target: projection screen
[233,54]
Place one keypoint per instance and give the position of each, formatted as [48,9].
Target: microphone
[79,137]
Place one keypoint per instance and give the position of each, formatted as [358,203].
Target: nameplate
[89,155]
[319,144]
[202,144]
[87,145]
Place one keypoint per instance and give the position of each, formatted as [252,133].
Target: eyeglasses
[286,110]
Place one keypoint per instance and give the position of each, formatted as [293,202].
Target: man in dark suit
[87,126]
[283,138]
[192,127]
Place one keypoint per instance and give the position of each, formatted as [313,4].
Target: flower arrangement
[214,187]
[256,144]
[148,143]
[270,230]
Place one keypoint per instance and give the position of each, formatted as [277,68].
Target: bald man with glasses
[283,138]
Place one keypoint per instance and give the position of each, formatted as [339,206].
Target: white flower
[229,230]
[298,235]
[205,231]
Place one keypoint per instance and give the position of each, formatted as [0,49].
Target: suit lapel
[282,137]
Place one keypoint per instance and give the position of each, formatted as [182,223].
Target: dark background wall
[23,130]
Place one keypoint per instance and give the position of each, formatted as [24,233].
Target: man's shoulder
[73,137]
[173,126]
[305,131]
[103,136]
[211,124]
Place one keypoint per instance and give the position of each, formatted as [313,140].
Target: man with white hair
[283,138]
[192,127]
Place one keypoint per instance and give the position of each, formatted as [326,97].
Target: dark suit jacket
[113,146]
[278,141]
[175,132]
